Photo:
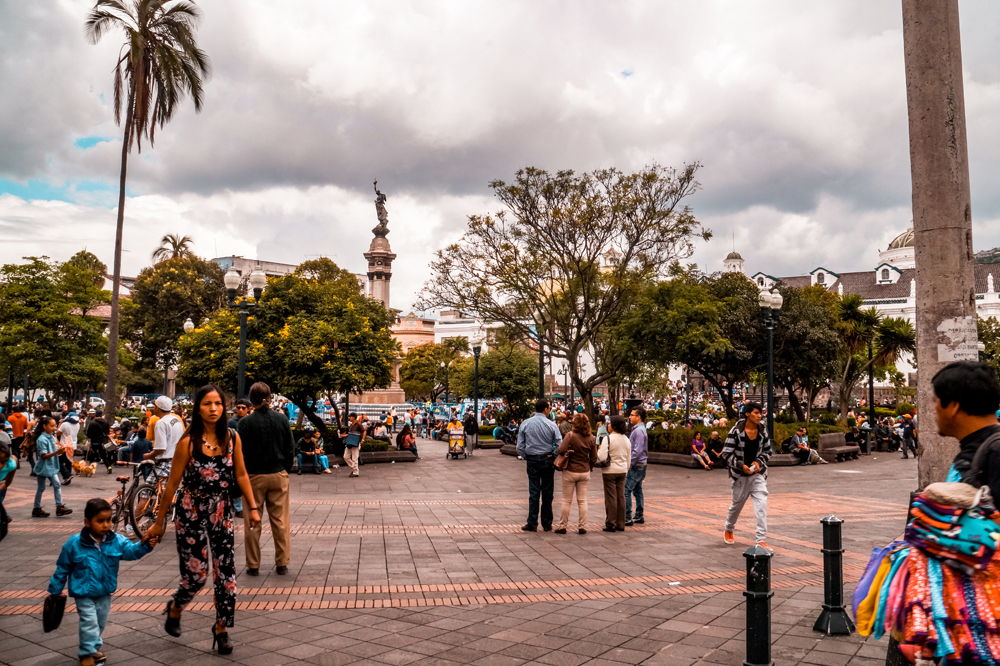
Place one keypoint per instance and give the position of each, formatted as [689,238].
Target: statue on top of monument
[383,216]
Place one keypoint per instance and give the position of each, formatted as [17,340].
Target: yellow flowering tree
[313,332]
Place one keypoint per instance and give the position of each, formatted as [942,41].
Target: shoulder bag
[562,460]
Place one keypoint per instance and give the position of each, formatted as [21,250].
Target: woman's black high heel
[173,624]
[222,638]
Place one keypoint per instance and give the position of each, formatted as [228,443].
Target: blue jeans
[315,460]
[633,486]
[541,483]
[238,504]
[56,487]
[93,614]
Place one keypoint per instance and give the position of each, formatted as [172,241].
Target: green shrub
[678,440]
[374,445]
[904,408]
[486,430]
[851,422]
[828,418]
[784,417]
[130,414]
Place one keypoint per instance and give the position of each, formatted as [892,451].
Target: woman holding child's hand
[208,468]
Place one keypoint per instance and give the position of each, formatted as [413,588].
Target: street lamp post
[770,308]
[476,349]
[446,367]
[567,396]
[687,394]
[257,282]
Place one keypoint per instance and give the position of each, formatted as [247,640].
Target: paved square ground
[424,563]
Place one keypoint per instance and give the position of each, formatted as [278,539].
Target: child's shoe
[39,512]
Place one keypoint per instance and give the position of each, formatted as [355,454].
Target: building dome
[904,239]
[734,255]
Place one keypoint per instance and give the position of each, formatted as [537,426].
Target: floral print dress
[204,525]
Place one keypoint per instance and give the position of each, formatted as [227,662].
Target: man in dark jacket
[267,453]
[748,448]
[966,399]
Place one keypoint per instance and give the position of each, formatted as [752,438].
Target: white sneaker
[328,471]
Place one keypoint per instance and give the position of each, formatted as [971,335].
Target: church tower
[733,262]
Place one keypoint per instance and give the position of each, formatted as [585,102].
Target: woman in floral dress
[208,468]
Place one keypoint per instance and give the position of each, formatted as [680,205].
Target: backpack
[785,446]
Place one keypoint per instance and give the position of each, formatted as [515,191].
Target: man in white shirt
[69,429]
[169,430]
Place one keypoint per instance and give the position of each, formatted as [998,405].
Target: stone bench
[678,459]
[833,447]
[367,457]
[783,460]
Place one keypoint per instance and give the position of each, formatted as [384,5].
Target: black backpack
[785,446]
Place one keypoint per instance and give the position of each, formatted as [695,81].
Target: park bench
[783,460]
[678,459]
[834,447]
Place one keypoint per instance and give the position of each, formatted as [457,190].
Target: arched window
[820,278]
[760,281]
[885,273]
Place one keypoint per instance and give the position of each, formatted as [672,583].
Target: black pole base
[834,622]
[747,663]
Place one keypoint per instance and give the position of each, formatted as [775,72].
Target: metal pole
[834,620]
[475,393]
[166,380]
[758,594]
[942,210]
[241,380]
[770,377]
[541,366]
[687,394]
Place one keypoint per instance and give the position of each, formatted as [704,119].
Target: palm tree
[888,338]
[159,62]
[173,246]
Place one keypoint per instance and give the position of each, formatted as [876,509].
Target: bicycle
[137,504]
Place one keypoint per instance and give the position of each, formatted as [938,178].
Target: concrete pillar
[942,211]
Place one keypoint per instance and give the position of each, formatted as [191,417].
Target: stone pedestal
[379,256]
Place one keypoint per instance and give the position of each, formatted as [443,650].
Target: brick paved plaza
[424,563]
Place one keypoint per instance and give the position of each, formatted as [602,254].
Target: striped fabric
[732,452]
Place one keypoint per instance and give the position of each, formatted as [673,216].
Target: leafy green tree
[421,372]
[313,332]
[158,64]
[418,372]
[989,334]
[708,322]
[165,295]
[45,328]
[507,371]
[806,345]
[563,260]
[91,265]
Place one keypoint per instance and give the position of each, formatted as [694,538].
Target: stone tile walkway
[425,563]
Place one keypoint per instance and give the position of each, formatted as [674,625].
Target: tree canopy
[46,329]
[313,332]
[506,371]
[164,296]
[563,259]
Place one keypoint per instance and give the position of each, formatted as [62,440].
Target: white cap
[164,403]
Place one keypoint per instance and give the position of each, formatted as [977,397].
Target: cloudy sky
[797,110]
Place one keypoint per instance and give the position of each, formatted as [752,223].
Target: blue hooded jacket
[92,568]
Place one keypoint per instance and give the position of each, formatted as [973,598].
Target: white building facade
[890,288]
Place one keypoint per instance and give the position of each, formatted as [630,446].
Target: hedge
[678,440]
[129,414]
[374,445]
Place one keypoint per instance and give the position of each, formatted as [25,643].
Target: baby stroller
[456,442]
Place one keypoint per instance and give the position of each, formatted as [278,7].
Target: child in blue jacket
[90,561]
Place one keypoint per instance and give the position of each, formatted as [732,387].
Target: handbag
[607,461]
[562,460]
[52,611]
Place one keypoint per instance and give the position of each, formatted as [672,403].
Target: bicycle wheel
[116,513]
[143,510]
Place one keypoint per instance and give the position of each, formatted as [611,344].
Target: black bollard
[834,620]
[758,594]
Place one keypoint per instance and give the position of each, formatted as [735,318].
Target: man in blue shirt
[537,441]
[637,472]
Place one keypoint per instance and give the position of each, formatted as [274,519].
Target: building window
[820,278]
[885,273]
[760,281]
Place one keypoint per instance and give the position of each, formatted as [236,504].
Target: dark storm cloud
[796,110]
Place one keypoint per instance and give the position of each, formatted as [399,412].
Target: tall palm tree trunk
[111,382]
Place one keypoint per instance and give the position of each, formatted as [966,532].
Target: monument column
[379,254]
